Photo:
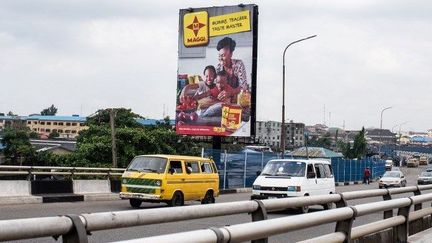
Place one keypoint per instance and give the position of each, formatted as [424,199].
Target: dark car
[429,168]
[425,178]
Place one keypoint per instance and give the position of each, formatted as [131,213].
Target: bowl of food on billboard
[215,79]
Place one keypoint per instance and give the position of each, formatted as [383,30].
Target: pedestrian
[366,176]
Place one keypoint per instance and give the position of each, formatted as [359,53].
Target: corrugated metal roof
[58,118]
[315,152]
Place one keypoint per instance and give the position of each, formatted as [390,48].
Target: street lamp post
[380,132]
[283,133]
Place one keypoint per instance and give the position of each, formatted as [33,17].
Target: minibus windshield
[285,168]
[148,164]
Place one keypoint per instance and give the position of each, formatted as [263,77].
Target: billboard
[216,79]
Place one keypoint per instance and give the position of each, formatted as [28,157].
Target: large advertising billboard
[216,79]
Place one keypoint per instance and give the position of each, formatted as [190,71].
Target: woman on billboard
[235,68]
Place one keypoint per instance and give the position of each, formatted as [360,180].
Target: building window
[74,124]
[55,123]
[35,122]
[60,131]
[60,123]
[73,131]
[48,123]
[42,123]
[68,124]
[81,124]
[67,131]
[48,130]
[29,122]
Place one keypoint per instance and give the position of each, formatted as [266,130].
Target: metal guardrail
[74,228]
[65,171]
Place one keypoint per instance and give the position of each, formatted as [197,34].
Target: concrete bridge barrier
[17,191]
[94,190]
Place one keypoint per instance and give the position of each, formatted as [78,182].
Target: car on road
[423,160]
[388,164]
[413,162]
[425,178]
[429,168]
[392,179]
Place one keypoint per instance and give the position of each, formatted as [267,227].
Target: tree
[324,141]
[10,113]
[54,134]
[94,144]
[359,148]
[50,111]
[18,149]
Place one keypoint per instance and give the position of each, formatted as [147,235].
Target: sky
[86,55]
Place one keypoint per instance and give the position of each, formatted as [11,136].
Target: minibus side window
[328,171]
[193,166]
[176,166]
[320,171]
[206,168]
[310,171]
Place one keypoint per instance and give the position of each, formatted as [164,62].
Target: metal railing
[30,171]
[74,228]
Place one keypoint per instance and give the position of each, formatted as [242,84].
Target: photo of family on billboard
[214,84]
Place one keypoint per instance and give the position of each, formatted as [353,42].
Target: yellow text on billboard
[195,29]
[230,23]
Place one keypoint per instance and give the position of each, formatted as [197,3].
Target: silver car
[392,179]
[425,178]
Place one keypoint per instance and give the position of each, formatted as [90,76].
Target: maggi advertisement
[217,71]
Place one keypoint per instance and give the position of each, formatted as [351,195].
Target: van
[283,178]
[413,162]
[423,160]
[172,179]
[388,164]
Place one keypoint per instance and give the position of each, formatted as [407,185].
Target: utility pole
[113,141]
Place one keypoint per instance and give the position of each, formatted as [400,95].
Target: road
[53,209]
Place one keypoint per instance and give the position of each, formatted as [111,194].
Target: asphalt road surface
[54,209]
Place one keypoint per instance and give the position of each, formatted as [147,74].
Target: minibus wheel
[135,203]
[176,200]
[208,198]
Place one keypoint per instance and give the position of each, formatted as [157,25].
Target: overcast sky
[87,55]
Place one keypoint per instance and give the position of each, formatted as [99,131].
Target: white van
[282,178]
[388,164]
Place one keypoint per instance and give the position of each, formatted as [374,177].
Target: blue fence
[239,169]
[352,170]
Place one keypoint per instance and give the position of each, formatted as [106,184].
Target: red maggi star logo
[195,26]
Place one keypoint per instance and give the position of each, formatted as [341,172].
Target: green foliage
[324,141]
[359,148]
[54,134]
[18,149]
[123,118]
[50,111]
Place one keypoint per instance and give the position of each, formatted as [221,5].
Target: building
[269,133]
[377,135]
[66,126]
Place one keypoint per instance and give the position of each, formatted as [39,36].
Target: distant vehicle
[392,179]
[429,168]
[283,178]
[423,160]
[413,162]
[388,164]
[425,178]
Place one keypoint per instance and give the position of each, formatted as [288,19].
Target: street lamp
[380,132]
[283,133]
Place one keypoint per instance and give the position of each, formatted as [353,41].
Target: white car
[392,179]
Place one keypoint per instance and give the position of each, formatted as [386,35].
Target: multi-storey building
[269,133]
[65,126]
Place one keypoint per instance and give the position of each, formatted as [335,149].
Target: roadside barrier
[33,171]
[74,228]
